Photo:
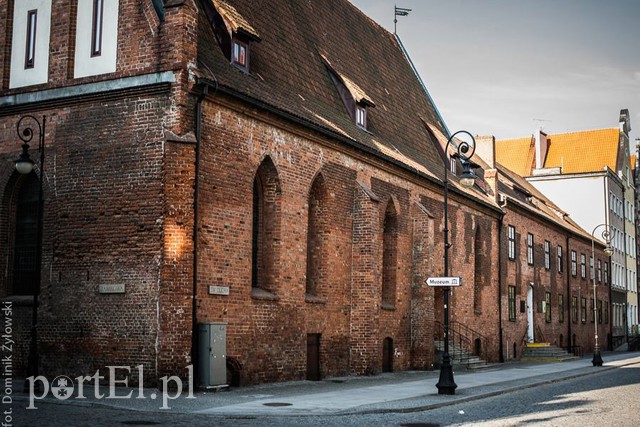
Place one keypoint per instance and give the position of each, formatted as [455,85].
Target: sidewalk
[389,392]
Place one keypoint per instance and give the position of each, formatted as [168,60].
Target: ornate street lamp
[606,236]
[465,150]
[24,165]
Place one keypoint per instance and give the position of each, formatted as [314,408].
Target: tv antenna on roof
[399,11]
[539,121]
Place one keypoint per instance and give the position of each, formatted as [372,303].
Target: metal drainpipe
[569,296]
[194,301]
[500,332]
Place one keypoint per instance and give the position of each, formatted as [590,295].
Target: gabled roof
[519,191]
[574,152]
[586,151]
[290,75]
[517,155]
[233,20]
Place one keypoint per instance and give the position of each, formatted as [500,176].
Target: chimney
[625,122]
[486,150]
[542,145]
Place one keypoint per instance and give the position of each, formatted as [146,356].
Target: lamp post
[597,358]
[465,150]
[24,165]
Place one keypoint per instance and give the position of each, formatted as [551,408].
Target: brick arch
[10,184]
[389,253]
[266,225]
[318,227]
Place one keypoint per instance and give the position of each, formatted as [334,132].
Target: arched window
[265,225]
[316,237]
[477,277]
[25,246]
[389,255]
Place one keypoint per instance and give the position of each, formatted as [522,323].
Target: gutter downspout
[500,327]
[569,296]
[196,218]
[608,279]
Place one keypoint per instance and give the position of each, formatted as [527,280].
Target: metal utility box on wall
[212,357]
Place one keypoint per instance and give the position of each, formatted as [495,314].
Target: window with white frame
[30,43]
[559,253]
[547,254]
[530,248]
[599,271]
[574,263]
[511,244]
[96,38]
[583,266]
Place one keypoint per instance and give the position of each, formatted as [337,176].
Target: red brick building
[273,166]
[547,270]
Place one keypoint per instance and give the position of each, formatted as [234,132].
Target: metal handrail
[458,339]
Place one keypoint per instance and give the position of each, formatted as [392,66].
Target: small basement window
[240,55]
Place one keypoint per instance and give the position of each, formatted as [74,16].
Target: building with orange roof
[588,174]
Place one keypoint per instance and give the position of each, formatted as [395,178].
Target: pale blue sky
[493,66]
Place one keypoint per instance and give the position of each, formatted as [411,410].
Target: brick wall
[522,276]
[267,332]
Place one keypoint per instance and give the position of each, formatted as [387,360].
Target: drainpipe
[569,296]
[500,338]
[194,300]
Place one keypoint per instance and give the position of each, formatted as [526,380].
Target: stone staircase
[460,357]
[545,352]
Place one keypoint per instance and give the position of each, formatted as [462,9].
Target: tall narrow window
[479,266]
[512,303]
[511,234]
[96,28]
[574,306]
[599,271]
[592,308]
[606,312]
[574,263]
[559,259]
[317,233]
[389,255]
[530,248]
[560,308]
[583,266]
[592,272]
[599,311]
[547,307]
[583,310]
[25,273]
[606,273]
[30,52]
[265,226]
[547,254]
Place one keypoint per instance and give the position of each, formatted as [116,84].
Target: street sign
[444,281]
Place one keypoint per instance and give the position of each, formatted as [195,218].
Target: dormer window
[232,31]
[355,100]
[240,54]
[361,116]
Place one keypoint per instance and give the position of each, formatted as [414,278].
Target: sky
[508,67]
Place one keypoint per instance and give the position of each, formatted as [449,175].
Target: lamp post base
[446,384]
[597,359]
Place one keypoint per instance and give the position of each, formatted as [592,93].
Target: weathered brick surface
[268,337]
[520,274]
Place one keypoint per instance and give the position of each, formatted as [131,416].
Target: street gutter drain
[277,404]
[139,423]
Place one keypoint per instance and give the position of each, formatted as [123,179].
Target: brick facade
[316,228]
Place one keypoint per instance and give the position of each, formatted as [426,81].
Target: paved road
[607,398]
